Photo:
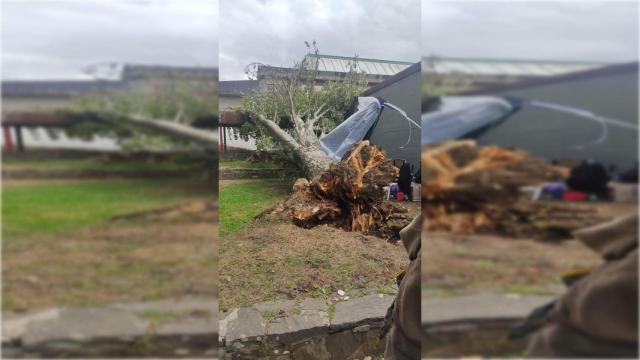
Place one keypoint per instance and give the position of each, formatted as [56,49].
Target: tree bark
[310,157]
[208,139]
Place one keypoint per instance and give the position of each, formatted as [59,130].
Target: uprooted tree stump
[469,189]
[349,195]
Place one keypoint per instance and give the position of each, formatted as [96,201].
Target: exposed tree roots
[469,189]
[349,196]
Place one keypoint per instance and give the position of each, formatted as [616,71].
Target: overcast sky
[273,32]
[56,39]
[553,30]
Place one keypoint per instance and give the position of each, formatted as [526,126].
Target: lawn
[48,208]
[96,164]
[248,165]
[240,203]
[61,249]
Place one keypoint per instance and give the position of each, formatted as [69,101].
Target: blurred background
[109,167]
[559,81]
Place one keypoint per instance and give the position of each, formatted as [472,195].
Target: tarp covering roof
[459,116]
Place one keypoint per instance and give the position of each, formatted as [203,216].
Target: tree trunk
[208,139]
[310,158]
[313,160]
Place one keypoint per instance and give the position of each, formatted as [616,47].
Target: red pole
[220,139]
[224,139]
[8,139]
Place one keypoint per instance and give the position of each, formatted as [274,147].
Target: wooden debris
[349,195]
[469,189]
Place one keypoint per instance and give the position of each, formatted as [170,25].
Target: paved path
[184,327]
[479,307]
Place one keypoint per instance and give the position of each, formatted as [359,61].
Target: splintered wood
[349,195]
[469,189]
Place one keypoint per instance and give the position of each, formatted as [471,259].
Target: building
[333,67]
[229,95]
[56,94]
[33,102]
[230,92]
[610,91]
[393,133]
[460,74]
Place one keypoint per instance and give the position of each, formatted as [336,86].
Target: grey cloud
[273,32]
[560,30]
[56,39]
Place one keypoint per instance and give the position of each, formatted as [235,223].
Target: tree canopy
[179,101]
[300,104]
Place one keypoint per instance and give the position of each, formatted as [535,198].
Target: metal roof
[139,71]
[68,88]
[57,88]
[494,67]
[628,69]
[237,87]
[342,64]
[415,68]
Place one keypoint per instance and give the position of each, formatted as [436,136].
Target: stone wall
[184,328]
[307,329]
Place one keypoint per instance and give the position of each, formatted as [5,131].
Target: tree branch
[282,136]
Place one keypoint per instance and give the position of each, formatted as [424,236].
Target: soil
[33,182]
[455,264]
[225,183]
[155,256]
[279,260]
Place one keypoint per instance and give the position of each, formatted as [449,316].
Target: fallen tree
[469,189]
[348,195]
[295,110]
[162,114]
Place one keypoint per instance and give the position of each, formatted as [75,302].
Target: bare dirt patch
[225,183]
[455,264]
[276,259]
[32,182]
[128,260]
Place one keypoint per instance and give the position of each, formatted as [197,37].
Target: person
[404,180]
[598,316]
[402,324]
[590,177]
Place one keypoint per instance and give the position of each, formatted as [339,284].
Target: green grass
[386,290]
[247,165]
[240,203]
[161,316]
[331,310]
[525,289]
[47,208]
[93,164]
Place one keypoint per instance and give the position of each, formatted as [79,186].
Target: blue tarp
[353,129]
[468,116]
[459,117]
